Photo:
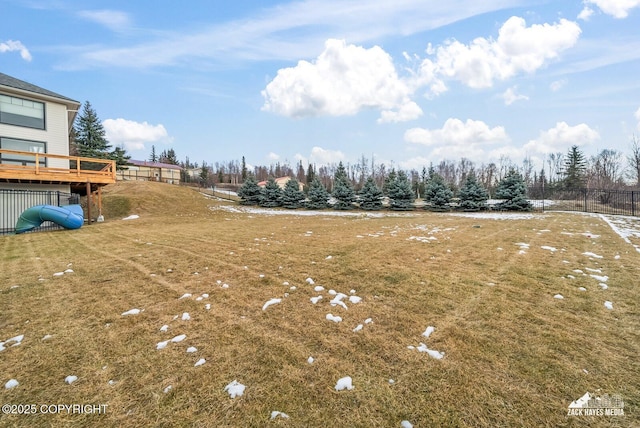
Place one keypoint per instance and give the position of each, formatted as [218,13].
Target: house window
[21,112]
[23,146]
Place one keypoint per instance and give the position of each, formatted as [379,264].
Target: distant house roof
[12,82]
[154,164]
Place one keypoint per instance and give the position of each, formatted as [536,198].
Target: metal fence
[616,202]
[15,202]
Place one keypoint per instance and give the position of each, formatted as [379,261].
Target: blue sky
[408,82]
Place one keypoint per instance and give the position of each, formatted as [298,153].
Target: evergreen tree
[153,157]
[318,195]
[168,156]
[292,196]
[400,192]
[91,141]
[389,179]
[437,194]
[473,197]
[575,169]
[204,172]
[244,170]
[120,156]
[271,194]
[513,190]
[343,189]
[370,196]
[250,192]
[311,175]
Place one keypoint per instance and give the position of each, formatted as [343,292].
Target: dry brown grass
[514,354]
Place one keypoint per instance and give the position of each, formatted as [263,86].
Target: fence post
[633,203]
[585,201]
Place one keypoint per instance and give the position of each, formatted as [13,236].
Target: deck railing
[29,166]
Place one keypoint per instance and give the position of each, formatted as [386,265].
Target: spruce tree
[271,194]
[91,141]
[400,192]
[437,194]
[318,195]
[343,189]
[292,196]
[473,197]
[370,196]
[513,190]
[575,168]
[389,179]
[250,192]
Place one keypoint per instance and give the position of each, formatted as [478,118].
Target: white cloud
[616,8]
[112,19]
[408,111]
[324,157]
[518,49]
[134,135]
[457,133]
[343,80]
[556,85]
[415,163]
[510,96]
[15,45]
[561,137]
[273,157]
[585,14]
[637,115]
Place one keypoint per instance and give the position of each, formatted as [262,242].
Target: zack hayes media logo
[590,405]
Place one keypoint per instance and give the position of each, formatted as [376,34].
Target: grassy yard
[513,354]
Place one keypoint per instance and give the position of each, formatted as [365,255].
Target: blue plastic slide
[69,217]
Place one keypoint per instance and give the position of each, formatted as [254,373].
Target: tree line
[396,189]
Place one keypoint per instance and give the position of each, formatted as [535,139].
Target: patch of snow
[594,270]
[235,389]
[603,285]
[590,254]
[358,328]
[310,281]
[162,345]
[318,288]
[132,217]
[333,318]
[406,424]
[582,289]
[167,389]
[428,331]
[608,305]
[368,321]
[355,299]
[432,353]
[271,302]
[571,277]
[200,362]
[344,383]
[558,296]
[332,292]
[47,337]
[546,247]
[328,257]
[192,349]
[164,328]
[310,360]
[601,278]
[578,271]
[315,300]
[185,296]
[58,274]
[179,338]
[70,379]
[207,306]
[68,271]
[499,216]
[186,316]
[11,383]
[276,413]
[134,311]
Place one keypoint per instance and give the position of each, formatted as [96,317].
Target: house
[35,166]
[151,171]
[281,182]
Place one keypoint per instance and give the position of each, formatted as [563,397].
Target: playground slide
[69,217]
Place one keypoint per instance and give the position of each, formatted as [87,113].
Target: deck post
[89,202]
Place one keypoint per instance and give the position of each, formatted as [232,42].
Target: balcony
[30,168]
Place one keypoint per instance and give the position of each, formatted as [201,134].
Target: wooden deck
[32,169]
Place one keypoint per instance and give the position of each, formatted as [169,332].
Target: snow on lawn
[432,353]
[277,413]
[333,318]
[70,379]
[546,247]
[503,215]
[344,383]
[16,340]
[303,213]
[11,383]
[134,311]
[608,305]
[626,227]
[271,302]
[235,389]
